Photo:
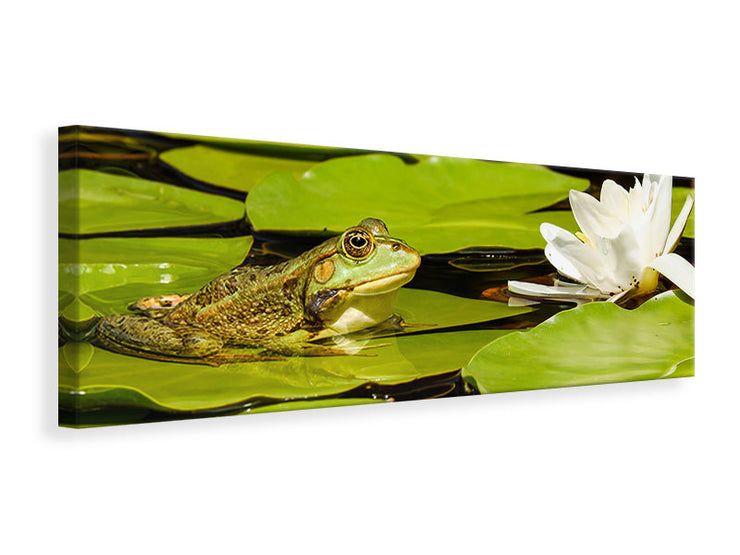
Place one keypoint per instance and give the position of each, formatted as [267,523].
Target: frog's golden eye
[358,244]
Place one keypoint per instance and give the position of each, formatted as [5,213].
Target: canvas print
[203,276]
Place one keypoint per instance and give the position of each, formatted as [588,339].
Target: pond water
[144,214]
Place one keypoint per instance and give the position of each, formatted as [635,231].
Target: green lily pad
[108,274]
[93,399]
[96,202]
[185,387]
[418,306]
[677,201]
[319,404]
[107,379]
[437,205]
[235,170]
[65,299]
[77,355]
[593,344]
[78,311]
[282,150]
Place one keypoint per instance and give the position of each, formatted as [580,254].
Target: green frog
[345,284]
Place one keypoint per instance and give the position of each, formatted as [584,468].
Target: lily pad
[593,344]
[294,151]
[677,201]
[77,311]
[109,273]
[94,399]
[77,355]
[418,306]
[235,170]
[107,379]
[96,202]
[65,299]
[437,205]
[319,404]
[186,387]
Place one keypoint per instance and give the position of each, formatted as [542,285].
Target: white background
[631,468]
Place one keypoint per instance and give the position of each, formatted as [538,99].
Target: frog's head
[353,284]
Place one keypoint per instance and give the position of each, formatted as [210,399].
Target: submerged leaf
[437,205]
[592,344]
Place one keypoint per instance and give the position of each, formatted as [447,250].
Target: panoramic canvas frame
[201,276]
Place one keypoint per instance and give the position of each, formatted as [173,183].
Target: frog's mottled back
[346,283]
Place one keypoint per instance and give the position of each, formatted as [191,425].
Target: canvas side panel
[68,258]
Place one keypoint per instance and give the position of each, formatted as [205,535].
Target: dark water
[136,153]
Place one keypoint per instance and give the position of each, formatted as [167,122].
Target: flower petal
[570,291]
[615,200]
[586,259]
[637,202]
[678,226]
[660,215]
[563,265]
[622,259]
[593,218]
[649,182]
[678,270]
[522,301]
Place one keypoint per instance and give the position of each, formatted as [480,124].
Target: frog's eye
[358,244]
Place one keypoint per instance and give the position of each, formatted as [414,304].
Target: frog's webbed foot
[306,349]
[391,326]
[394,325]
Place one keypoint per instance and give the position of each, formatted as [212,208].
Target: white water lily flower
[625,241]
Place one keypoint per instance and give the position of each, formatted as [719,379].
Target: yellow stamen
[583,238]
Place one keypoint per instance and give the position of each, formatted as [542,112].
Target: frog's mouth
[384,285]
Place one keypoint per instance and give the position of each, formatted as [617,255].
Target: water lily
[625,241]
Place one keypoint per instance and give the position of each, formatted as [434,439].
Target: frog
[345,284]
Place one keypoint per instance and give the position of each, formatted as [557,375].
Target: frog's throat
[384,285]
